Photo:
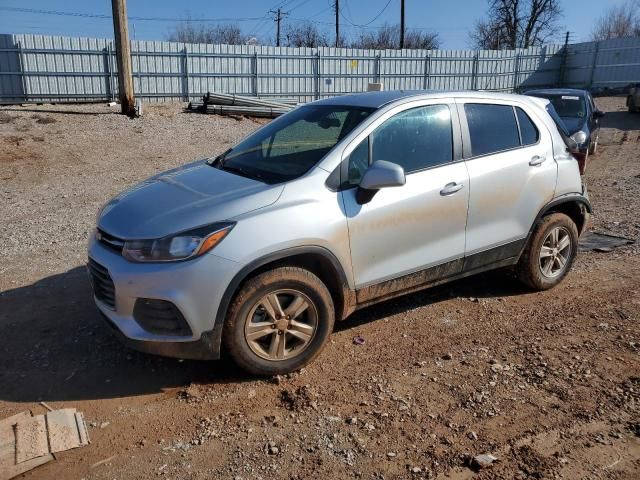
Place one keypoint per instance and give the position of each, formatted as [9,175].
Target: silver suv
[337,205]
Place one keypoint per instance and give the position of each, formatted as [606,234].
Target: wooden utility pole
[123,55]
[401,24]
[278,18]
[337,8]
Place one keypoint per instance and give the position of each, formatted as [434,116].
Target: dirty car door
[512,175]
[405,230]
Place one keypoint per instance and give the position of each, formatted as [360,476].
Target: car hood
[187,197]
[573,124]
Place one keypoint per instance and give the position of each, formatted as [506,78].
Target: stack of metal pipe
[229,104]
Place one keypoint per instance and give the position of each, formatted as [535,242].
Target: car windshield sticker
[567,97]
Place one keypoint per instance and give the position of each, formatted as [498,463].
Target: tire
[264,342]
[531,264]
[593,147]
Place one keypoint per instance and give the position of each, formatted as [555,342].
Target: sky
[153,19]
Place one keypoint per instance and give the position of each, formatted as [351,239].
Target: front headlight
[579,137]
[180,246]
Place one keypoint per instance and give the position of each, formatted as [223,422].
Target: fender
[215,335]
[566,198]
[578,198]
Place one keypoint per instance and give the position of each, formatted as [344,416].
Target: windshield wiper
[237,170]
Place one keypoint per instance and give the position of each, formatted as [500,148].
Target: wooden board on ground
[31,438]
[8,466]
[27,442]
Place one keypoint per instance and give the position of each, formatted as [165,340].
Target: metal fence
[35,68]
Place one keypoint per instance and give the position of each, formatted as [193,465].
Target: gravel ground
[61,163]
[549,383]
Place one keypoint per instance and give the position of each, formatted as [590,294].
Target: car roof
[557,91]
[379,99]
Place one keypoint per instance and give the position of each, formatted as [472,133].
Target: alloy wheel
[281,325]
[555,252]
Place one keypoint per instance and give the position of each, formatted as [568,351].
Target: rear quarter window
[492,128]
[528,131]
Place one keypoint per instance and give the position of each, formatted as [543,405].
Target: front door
[405,230]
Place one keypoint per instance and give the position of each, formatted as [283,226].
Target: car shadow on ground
[55,346]
[624,121]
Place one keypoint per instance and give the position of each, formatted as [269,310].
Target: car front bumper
[196,288]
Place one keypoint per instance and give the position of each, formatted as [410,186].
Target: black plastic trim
[493,255]
[207,348]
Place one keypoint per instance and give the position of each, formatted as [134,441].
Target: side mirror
[598,114]
[381,174]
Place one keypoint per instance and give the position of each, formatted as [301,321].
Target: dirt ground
[549,383]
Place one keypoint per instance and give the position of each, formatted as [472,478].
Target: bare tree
[304,34]
[188,32]
[388,36]
[516,24]
[618,22]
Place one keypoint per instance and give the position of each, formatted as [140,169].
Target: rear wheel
[279,321]
[550,252]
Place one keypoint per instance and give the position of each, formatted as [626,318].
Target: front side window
[415,139]
[291,145]
[358,162]
[492,128]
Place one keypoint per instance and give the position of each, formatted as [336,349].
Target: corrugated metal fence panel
[52,68]
[11,86]
[608,63]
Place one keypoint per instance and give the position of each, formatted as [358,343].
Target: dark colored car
[579,114]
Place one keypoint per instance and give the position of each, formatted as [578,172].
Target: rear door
[407,229]
[512,175]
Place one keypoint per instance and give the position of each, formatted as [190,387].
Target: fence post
[474,72]
[563,61]
[185,71]
[377,67]
[427,72]
[318,60]
[23,77]
[112,83]
[256,75]
[516,73]
[594,65]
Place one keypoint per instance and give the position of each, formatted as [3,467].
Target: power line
[137,19]
[370,21]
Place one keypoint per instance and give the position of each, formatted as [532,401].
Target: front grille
[161,317]
[110,241]
[103,287]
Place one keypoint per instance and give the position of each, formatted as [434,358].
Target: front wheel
[550,252]
[279,321]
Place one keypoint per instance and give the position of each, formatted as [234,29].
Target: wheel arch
[318,260]
[575,206]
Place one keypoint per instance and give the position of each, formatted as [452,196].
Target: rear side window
[528,132]
[416,139]
[492,128]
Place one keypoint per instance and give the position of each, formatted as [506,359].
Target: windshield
[567,106]
[289,146]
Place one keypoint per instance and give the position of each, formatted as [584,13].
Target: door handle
[537,160]
[451,188]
